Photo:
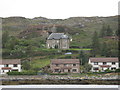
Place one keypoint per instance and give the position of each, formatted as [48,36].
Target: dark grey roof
[57,36]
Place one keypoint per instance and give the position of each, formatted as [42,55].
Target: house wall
[104,68]
[52,43]
[64,69]
[12,68]
[62,43]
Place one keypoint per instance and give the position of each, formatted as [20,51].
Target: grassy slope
[17,25]
[39,63]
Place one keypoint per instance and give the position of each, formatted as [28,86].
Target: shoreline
[61,81]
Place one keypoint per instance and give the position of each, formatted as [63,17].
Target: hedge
[58,74]
[22,73]
[117,70]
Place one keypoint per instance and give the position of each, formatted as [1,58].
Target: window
[74,70]
[14,65]
[57,65]
[74,64]
[113,63]
[65,64]
[95,63]
[57,41]
[6,65]
[57,70]
[65,45]
[69,71]
[113,68]
[95,68]
[15,70]
[104,63]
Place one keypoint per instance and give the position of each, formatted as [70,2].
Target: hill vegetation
[26,38]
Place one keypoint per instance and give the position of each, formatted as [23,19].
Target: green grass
[80,49]
[65,56]
[45,49]
[81,40]
[39,63]
[96,74]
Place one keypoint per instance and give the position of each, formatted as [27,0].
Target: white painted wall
[11,66]
[101,63]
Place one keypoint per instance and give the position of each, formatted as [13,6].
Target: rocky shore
[58,77]
[50,79]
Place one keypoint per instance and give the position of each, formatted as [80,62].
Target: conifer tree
[116,33]
[104,49]
[109,31]
[102,32]
[83,58]
[5,38]
[95,44]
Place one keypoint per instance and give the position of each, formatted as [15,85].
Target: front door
[68,70]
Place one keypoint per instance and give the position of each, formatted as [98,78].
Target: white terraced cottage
[8,65]
[102,64]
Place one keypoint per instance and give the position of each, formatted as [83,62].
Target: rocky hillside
[80,28]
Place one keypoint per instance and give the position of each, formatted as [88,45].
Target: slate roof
[10,61]
[104,59]
[65,61]
[58,36]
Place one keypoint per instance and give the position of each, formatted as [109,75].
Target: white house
[8,65]
[101,64]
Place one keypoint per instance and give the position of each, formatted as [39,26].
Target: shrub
[58,74]
[22,73]
[108,71]
[13,73]
[117,70]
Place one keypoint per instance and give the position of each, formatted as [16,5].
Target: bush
[99,72]
[13,73]
[117,70]
[108,71]
[58,74]
[22,73]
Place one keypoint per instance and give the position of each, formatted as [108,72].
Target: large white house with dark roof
[8,65]
[102,64]
[58,40]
